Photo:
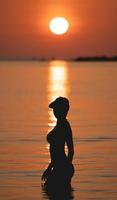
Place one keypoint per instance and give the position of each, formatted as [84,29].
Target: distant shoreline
[95,59]
[77,59]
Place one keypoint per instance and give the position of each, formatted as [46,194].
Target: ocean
[26,89]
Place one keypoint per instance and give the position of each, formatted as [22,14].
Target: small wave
[97,139]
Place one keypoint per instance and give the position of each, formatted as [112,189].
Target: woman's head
[60,107]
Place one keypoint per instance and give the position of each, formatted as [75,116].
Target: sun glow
[59,25]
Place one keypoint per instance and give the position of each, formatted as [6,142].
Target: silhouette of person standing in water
[60,170]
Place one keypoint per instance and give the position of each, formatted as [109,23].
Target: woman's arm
[69,141]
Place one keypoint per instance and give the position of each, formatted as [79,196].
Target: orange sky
[24,28]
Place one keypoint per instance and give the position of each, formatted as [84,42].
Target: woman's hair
[60,113]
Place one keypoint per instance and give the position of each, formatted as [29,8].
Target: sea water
[26,89]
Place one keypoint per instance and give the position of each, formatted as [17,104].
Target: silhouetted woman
[60,169]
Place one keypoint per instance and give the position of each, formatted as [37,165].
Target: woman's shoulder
[65,126]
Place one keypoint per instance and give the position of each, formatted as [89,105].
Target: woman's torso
[57,139]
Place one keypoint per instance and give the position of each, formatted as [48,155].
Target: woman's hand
[47,173]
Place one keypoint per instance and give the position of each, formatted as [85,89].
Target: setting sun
[59,25]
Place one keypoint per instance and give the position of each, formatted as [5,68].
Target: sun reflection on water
[58,84]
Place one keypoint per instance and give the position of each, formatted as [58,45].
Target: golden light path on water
[57,86]
[58,82]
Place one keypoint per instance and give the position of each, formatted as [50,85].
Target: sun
[59,25]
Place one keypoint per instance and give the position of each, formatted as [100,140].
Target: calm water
[26,89]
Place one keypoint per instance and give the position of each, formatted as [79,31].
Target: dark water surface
[26,89]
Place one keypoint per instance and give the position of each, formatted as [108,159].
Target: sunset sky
[24,30]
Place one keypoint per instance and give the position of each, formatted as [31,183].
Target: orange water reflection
[57,84]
